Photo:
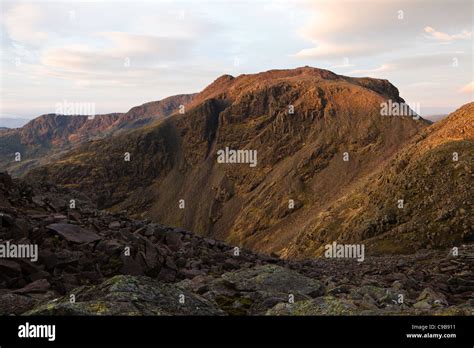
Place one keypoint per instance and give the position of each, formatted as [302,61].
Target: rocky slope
[173,272]
[302,123]
[433,176]
[48,136]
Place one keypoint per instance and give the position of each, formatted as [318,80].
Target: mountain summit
[316,135]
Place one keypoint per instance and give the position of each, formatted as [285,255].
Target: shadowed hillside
[432,175]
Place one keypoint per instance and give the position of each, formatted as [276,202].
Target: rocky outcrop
[128,295]
[417,285]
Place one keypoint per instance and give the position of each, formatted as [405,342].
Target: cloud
[423,61]
[126,45]
[332,51]
[417,63]
[440,36]
[373,72]
[122,59]
[469,88]
[367,28]
[23,22]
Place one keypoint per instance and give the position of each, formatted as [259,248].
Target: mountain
[50,135]
[432,175]
[144,114]
[317,136]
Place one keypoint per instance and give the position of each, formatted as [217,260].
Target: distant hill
[50,135]
[435,118]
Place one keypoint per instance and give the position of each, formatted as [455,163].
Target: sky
[117,54]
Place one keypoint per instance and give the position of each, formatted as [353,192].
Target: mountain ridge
[51,135]
[300,155]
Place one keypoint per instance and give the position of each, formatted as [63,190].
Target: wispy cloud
[124,55]
[440,36]
[468,88]
[372,72]
[23,24]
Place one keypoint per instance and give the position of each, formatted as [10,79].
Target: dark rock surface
[114,265]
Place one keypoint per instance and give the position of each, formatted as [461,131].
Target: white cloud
[468,88]
[177,47]
[126,45]
[368,28]
[440,36]
[333,51]
[372,72]
[123,59]
[23,22]
[416,63]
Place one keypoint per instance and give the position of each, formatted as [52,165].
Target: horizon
[54,51]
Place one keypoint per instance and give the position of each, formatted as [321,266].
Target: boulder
[73,233]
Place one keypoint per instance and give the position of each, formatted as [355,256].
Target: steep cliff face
[422,198]
[316,135]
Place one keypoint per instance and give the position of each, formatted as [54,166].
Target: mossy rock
[129,295]
[326,305]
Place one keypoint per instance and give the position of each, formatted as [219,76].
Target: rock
[115,225]
[326,305]
[73,233]
[424,305]
[39,275]
[341,289]
[8,267]
[380,296]
[273,278]
[15,304]
[432,298]
[28,267]
[129,295]
[397,285]
[255,290]
[6,220]
[230,264]
[191,273]
[59,217]
[167,275]
[38,286]
[130,266]
[173,240]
